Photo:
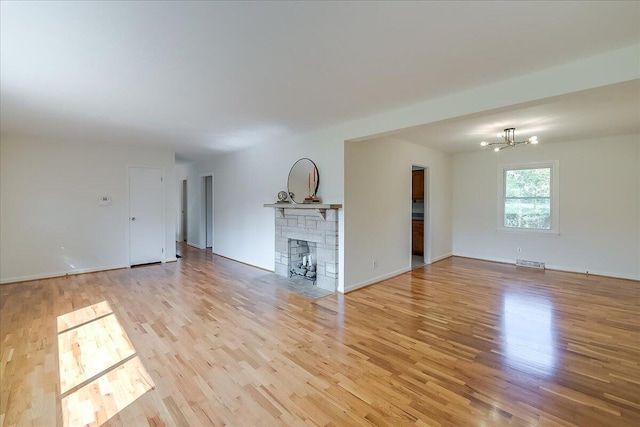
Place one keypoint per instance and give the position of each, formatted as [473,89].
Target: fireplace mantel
[318,209]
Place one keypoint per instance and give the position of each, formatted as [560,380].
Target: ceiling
[605,111]
[209,77]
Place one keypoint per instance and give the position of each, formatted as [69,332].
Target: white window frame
[554,165]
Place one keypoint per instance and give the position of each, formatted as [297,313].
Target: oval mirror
[303,181]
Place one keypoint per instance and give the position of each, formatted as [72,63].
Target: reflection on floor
[417,261]
[302,287]
[529,333]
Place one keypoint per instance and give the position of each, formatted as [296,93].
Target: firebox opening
[303,260]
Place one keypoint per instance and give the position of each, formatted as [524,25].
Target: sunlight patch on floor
[100,373]
[83,315]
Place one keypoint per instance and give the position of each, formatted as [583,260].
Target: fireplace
[308,230]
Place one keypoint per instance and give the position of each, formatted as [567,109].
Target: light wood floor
[204,342]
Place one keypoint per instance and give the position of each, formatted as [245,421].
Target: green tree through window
[527,198]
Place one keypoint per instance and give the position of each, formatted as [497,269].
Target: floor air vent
[530,264]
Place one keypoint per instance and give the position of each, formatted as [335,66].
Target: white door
[146,234]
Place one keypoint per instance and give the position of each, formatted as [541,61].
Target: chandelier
[509,140]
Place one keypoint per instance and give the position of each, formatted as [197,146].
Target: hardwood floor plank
[459,342]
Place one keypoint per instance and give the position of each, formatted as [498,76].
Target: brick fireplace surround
[311,223]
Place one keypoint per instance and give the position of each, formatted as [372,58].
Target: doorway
[183,211]
[419,217]
[146,220]
[207,212]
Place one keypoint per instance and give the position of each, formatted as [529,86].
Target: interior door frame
[128,209]
[184,213]
[203,211]
[426,244]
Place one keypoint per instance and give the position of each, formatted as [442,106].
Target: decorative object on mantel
[282,197]
[303,182]
[509,140]
[311,199]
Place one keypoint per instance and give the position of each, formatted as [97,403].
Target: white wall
[244,180]
[49,189]
[599,207]
[50,220]
[378,218]
[182,172]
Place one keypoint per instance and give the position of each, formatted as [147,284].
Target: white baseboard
[375,280]
[491,259]
[171,260]
[193,245]
[270,270]
[60,274]
[441,257]
[592,272]
[557,267]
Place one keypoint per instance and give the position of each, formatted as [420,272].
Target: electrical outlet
[375,263]
[519,250]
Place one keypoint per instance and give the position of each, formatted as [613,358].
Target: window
[529,198]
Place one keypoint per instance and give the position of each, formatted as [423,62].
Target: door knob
[133,218]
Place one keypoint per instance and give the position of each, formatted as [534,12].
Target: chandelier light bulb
[508,136]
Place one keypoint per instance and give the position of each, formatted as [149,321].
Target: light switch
[104,200]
